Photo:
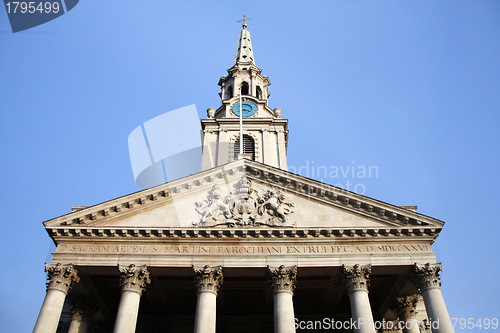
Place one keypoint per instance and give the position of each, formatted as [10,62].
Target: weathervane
[245,19]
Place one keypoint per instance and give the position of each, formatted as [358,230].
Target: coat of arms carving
[244,207]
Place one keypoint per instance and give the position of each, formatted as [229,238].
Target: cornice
[248,121]
[251,124]
[250,67]
[257,120]
[244,233]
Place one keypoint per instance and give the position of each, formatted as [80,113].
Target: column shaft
[281,150]
[361,311]
[283,312]
[205,313]
[222,144]
[50,313]
[78,325]
[411,326]
[436,310]
[266,148]
[253,85]
[126,318]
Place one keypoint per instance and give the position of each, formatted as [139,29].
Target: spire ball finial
[245,19]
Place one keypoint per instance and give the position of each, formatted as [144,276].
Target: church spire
[244,52]
[265,133]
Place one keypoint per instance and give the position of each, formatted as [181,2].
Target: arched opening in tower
[248,147]
[244,88]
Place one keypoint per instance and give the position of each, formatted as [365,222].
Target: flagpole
[241,127]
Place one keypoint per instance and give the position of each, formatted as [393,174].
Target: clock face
[248,108]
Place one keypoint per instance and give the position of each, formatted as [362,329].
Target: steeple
[265,134]
[244,52]
[246,75]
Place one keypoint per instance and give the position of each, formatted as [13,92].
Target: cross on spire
[245,19]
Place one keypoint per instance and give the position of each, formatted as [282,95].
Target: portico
[251,271]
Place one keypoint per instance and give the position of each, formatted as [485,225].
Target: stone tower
[264,132]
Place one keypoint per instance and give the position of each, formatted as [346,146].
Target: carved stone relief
[356,277]
[405,307]
[61,277]
[427,276]
[244,207]
[208,279]
[134,278]
[282,278]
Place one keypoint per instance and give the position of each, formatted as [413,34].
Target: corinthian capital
[405,307]
[82,308]
[282,278]
[61,277]
[427,276]
[134,278]
[208,279]
[356,277]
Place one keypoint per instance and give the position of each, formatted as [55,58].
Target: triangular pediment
[246,194]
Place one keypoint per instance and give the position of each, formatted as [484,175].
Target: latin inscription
[240,250]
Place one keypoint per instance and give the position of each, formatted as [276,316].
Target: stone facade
[244,245]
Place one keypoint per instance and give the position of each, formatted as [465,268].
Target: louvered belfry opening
[248,146]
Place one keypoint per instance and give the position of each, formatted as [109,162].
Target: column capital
[426,276]
[208,279]
[134,278]
[405,307]
[356,277]
[82,308]
[61,277]
[282,279]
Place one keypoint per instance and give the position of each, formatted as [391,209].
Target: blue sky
[411,87]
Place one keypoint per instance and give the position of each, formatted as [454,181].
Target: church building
[244,246]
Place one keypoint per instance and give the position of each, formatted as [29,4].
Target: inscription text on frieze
[193,249]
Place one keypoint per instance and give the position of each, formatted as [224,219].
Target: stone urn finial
[210,112]
[277,112]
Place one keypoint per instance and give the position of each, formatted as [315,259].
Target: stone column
[209,159]
[223,155]
[356,278]
[79,322]
[266,147]
[281,150]
[283,281]
[59,280]
[82,310]
[253,87]
[208,281]
[405,308]
[133,281]
[426,279]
